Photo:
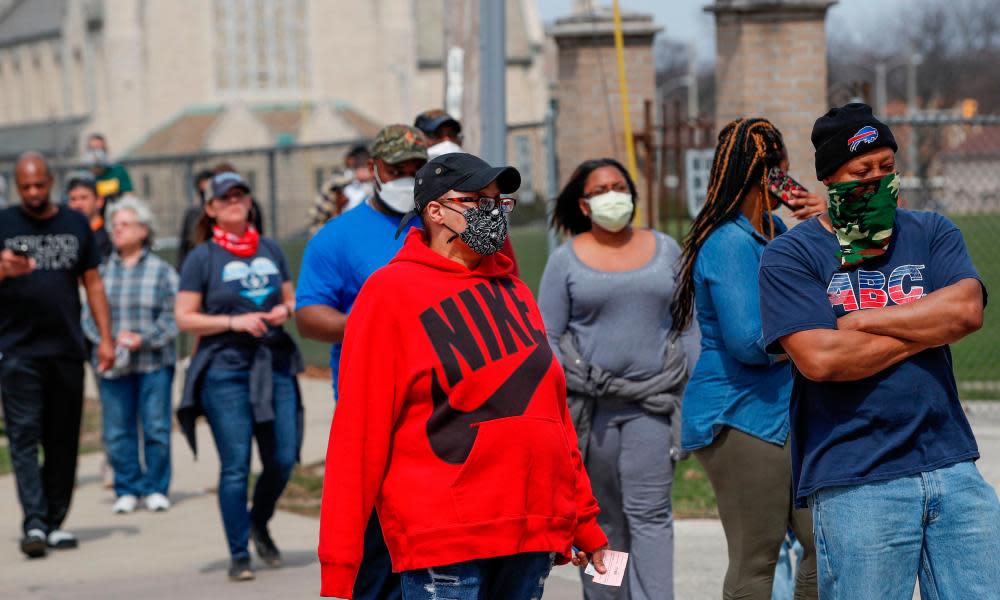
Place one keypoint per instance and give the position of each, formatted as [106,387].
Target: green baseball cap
[398,143]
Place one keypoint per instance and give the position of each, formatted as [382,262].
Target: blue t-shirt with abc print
[904,420]
[231,285]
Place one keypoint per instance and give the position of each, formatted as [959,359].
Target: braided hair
[747,150]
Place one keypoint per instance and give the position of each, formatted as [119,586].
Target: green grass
[977,357]
[693,497]
[693,494]
[5,466]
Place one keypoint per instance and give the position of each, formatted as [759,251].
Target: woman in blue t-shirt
[236,294]
[735,415]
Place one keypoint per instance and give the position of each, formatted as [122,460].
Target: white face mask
[611,211]
[445,147]
[397,194]
[357,192]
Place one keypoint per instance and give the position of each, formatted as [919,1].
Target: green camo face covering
[863,213]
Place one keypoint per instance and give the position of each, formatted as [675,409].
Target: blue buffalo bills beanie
[846,132]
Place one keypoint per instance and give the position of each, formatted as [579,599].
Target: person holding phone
[236,293]
[735,416]
[45,250]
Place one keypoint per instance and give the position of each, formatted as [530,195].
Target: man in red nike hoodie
[452,419]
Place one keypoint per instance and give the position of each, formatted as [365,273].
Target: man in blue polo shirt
[865,301]
[337,262]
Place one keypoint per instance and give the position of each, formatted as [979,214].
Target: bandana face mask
[485,230]
[863,213]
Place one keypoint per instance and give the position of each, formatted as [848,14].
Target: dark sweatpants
[43,404]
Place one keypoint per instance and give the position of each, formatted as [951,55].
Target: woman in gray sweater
[605,298]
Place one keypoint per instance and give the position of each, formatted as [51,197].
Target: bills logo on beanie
[845,133]
[866,134]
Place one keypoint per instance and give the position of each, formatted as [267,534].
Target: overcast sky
[686,20]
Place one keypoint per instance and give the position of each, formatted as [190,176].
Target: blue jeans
[874,540]
[517,577]
[225,398]
[783,587]
[127,402]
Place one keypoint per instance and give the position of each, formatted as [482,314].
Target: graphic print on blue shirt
[254,281]
[903,420]
[872,292]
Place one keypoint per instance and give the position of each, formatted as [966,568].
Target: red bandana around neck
[241,245]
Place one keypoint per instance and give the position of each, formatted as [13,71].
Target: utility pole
[692,102]
[881,70]
[493,81]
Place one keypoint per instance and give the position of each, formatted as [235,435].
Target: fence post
[679,169]
[272,184]
[188,181]
[552,173]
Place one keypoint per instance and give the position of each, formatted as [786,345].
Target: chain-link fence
[951,165]
[285,179]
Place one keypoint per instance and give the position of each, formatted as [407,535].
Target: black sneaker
[240,570]
[266,550]
[33,543]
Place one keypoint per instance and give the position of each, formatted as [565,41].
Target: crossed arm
[872,340]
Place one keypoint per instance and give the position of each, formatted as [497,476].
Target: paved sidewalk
[182,553]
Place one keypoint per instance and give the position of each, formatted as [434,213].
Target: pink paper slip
[615,563]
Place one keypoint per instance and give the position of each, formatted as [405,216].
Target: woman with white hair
[141,289]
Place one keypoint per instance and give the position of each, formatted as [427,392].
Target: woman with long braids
[736,403]
[605,298]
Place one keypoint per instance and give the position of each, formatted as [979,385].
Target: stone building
[184,76]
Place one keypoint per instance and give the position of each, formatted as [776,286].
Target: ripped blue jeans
[517,577]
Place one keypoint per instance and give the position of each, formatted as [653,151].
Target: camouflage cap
[397,143]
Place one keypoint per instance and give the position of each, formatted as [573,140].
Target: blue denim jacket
[735,382]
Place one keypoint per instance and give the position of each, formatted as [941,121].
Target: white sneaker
[125,504]
[62,540]
[157,502]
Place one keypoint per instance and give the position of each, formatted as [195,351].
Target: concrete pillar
[771,63]
[590,122]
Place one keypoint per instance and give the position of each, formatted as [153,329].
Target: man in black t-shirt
[45,251]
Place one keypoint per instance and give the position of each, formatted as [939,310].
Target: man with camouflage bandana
[865,300]
[337,262]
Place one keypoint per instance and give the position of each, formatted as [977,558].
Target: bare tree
[957,40]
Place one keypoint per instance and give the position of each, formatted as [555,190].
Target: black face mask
[485,230]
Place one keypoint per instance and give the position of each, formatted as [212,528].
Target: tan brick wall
[776,70]
[590,122]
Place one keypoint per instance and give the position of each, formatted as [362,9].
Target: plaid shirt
[142,301]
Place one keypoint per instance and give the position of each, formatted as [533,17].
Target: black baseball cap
[223,182]
[460,172]
[429,121]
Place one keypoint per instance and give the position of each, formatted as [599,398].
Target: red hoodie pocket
[518,466]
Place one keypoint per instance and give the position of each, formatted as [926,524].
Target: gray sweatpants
[631,473]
